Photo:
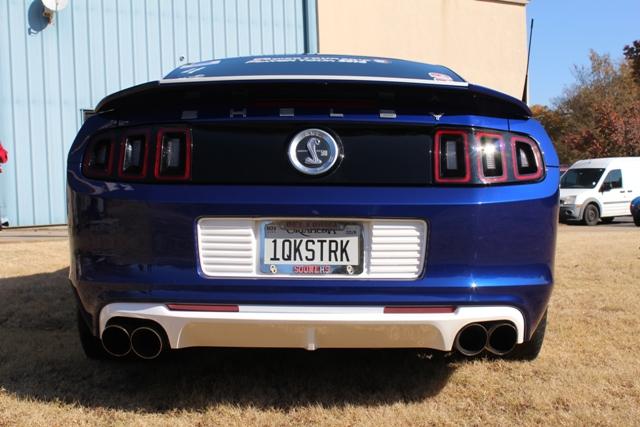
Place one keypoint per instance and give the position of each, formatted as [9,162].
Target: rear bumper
[312,327]
[486,247]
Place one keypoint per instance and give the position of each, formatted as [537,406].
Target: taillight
[142,154]
[451,154]
[134,151]
[173,154]
[526,157]
[480,157]
[98,159]
[492,161]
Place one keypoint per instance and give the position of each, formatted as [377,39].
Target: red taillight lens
[98,159]
[479,157]
[230,308]
[173,154]
[492,161]
[134,151]
[451,153]
[135,158]
[526,158]
[419,310]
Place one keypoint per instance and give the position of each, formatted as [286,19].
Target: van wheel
[529,350]
[636,219]
[591,215]
[607,220]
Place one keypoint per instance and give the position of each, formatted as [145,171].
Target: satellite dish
[55,5]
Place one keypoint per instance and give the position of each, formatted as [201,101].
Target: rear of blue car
[303,210]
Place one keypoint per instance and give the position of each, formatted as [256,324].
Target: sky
[563,33]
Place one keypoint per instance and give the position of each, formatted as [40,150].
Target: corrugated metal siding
[48,74]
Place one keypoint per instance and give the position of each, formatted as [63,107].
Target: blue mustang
[312,201]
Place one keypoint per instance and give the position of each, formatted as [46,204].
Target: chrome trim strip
[287,112]
[387,114]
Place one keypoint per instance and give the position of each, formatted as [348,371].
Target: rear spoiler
[455,98]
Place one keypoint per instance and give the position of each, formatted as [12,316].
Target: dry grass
[588,372]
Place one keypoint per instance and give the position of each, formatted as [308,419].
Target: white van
[599,189]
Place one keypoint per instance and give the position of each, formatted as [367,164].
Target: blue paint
[49,73]
[502,239]
[489,245]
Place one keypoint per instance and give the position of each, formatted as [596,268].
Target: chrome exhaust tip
[471,339]
[503,338]
[146,342]
[116,341]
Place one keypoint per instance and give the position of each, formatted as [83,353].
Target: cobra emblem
[313,151]
[312,147]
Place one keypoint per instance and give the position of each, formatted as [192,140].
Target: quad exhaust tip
[503,338]
[471,339]
[146,342]
[500,339]
[116,341]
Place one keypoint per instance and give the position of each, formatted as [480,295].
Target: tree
[555,124]
[632,53]
[599,115]
[612,135]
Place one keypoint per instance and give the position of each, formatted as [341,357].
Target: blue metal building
[51,74]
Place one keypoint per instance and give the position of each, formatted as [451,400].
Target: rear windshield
[581,178]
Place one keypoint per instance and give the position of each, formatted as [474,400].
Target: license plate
[311,247]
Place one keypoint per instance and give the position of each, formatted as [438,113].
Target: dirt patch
[587,373]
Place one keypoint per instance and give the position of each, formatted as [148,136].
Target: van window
[581,178]
[614,178]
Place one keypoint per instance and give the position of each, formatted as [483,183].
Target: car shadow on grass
[41,358]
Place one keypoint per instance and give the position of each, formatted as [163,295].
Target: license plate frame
[303,230]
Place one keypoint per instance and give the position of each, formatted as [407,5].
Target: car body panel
[497,220]
[487,245]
